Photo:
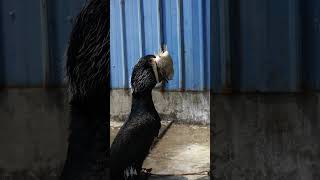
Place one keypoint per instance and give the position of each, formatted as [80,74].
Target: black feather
[133,141]
[87,70]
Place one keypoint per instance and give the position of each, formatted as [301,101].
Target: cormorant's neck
[142,100]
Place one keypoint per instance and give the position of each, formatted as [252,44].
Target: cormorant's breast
[133,141]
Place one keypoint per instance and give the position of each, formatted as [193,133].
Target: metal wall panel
[139,27]
[311,44]
[61,15]
[21,44]
[266,46]
[258,46]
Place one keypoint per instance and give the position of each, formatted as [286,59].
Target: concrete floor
[183,149]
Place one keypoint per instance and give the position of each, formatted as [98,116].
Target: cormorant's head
[150,71]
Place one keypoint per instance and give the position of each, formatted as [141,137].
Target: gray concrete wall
[34,124]
[260,136]
[266,136]
[33,131]
[180,106]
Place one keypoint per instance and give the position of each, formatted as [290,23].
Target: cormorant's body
[133,141]
[87,67]
[132,144]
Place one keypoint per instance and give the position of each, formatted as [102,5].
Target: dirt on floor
[182,150]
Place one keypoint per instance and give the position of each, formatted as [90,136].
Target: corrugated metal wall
[22,37]
[20,61]
[266,46]
[311,43]
[61,14]
[139,27]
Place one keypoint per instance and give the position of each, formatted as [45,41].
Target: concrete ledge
[183,107]
[33,130]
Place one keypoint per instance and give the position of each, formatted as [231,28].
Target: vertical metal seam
[140,19]
[201,45]
[159,14]
[180,43]
[2,60]
[224,43]
[44,41]
[123,43]
[211,45]
[294,51]
[111,45]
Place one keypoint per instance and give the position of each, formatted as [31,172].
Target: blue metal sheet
[140,27]
[61,15]
[269,46]
[173,37]
[266,60]
[311,44]
[208,46]
[133,50]
[115,47]
[220,14]
[21,60]
[191,46]
[257,46]
[20,33]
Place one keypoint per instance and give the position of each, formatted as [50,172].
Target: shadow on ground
[176,178]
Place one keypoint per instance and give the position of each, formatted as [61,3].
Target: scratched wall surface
[139,27]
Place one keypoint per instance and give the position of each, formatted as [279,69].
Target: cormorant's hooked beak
[163,66]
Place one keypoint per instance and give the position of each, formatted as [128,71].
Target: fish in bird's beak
[163,66]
